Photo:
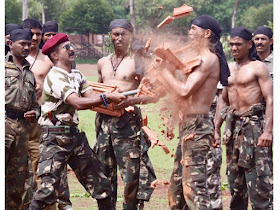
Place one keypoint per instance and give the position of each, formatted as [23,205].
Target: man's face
[120,38]
[65,53]
[262,43]
[239,47]
[196,33]
[48,35]
[21,48]
[36,38]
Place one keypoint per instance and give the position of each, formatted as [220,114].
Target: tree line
[95,15]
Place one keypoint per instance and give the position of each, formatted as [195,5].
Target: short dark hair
[31,23]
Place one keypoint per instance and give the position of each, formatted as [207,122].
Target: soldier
[8,29]
[50,28]
[41,66]
[65,92]
[188,188]
[264,43]
[119,140]
[21,109]
[247,137]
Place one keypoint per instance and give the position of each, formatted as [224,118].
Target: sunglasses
[67,46]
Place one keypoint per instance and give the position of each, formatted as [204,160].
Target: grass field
[162,163]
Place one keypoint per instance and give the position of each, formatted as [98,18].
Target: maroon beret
[53,42]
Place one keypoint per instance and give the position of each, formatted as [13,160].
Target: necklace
[34,59]
[116,67]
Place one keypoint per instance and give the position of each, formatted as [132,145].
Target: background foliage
[95,15]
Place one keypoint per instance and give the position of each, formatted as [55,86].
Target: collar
[62,70]
[269,58]
[10,59]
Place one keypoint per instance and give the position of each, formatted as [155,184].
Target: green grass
[162,163]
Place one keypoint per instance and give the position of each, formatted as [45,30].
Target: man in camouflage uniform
[41,65]
[65,92]
[21,108]
[189,187]
[247,137]
[120,141]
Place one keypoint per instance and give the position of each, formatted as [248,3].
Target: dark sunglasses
[67,46]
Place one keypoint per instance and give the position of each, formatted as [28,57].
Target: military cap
[10,27]
[53,42]
[21,34]
[50,26]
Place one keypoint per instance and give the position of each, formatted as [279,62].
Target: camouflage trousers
[58,150]
[190,182]
[33,182]
[119,144]
[16,153]
[249,167]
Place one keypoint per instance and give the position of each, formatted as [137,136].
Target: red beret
[53,42]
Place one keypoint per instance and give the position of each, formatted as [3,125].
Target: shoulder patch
[10,66]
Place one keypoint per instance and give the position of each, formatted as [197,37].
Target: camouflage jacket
[58,85]
[20,86]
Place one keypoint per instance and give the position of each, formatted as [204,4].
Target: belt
[14,114]
[60,129]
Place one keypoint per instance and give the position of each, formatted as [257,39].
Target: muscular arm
[194,81]
[265,83]
[91,99]
[218,121]
[99,66]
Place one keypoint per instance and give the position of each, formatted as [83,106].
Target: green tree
[88,15]
[13,11]
[257,16]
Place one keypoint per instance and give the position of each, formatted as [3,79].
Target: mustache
[259,45]
[25,51]
[71,53]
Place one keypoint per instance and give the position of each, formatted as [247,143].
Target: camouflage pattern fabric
[16,153]
[190,161]
[58,85]
[58,150]
[249,167]
[119,142]
[20,95]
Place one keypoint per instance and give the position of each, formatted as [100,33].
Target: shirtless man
[194,98]
[263,40]
[118,140]
[248,139]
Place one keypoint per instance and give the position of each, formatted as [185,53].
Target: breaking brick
[154,184]
[148,44]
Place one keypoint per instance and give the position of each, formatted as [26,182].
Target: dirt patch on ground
[88,69]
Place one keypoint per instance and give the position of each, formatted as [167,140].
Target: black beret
[241,32]
[122,23]
[50,26]
[21,34]
[9,27]
[263,30]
